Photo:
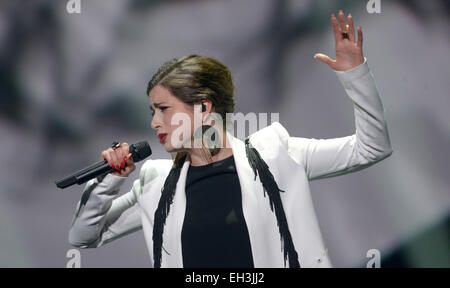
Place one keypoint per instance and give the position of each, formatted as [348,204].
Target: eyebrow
[156,105]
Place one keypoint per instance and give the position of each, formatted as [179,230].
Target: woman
[207,207]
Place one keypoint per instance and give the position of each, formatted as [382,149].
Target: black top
[214,230]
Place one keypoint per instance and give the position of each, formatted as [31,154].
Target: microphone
[139,152]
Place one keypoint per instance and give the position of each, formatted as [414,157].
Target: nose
[156,123]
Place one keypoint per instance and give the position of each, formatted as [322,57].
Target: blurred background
[70,84]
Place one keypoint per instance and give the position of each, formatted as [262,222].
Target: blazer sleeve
[323,158]
[101,216]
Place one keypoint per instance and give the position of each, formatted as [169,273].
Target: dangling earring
[212,138]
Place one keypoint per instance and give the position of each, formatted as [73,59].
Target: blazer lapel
[248,192]
[175,219]
[260,220]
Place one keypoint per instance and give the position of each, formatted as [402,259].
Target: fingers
[110,156]
[129,159]
[325,59]
[115,160]
[122,152]
[127,166]
[342,21]
[106,155]
[339,28]
[118,158]
[128,169]
[337,33]
[360,37]
[351,28]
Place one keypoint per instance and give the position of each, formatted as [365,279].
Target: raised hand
[349,53]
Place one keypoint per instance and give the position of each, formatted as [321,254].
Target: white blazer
[101,216]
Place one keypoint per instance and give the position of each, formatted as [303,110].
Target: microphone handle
[99,170]
[90,167]
[85,174]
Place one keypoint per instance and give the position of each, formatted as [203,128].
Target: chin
[169,148]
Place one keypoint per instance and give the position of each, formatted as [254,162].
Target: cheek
[180,134]
[184,126]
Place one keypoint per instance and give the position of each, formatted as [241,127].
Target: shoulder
[150,171]
[275,139]
[274,134]
[154,168]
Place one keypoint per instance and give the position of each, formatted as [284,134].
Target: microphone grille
[140,151]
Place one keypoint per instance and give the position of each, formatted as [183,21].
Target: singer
[229,202]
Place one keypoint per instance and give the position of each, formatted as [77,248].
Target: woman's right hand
[120,160]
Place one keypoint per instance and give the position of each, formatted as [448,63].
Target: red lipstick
[162,137]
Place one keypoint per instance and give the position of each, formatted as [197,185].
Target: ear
[206,109]
[206,106]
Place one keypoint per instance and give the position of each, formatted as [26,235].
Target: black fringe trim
[161,213]
[271,187]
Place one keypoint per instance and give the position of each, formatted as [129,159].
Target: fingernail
[112,166]
[125,158]
[117,168]
[123,165]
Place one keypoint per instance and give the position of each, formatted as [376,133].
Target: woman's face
[168,114]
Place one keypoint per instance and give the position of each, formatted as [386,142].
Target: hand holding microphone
[118,160]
